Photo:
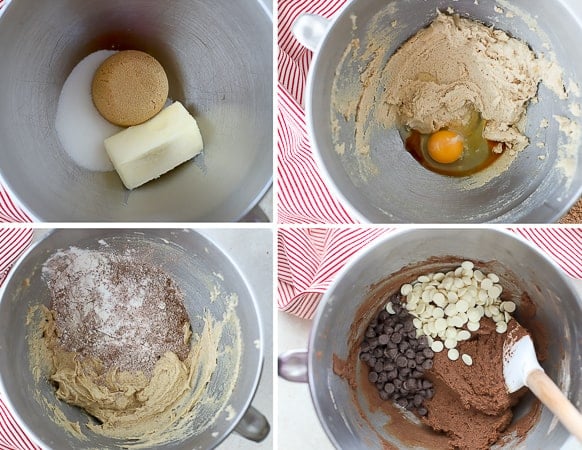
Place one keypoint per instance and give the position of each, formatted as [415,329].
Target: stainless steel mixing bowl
[521,268]
[218,56]
[201,270]
[532,190]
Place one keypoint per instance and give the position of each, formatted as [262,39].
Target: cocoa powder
[116,308]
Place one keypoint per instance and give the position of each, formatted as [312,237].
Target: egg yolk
[445,146]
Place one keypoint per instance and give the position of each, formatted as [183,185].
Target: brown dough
[129,88]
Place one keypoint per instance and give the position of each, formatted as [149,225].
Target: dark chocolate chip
[398,327]
[382,377]
[428,353]
[379,366]
[396,337]
[384,395]
[389,388]
[373,377]
[370,333]
[392,374]
[409,385]
[416,374]
[408,326]
[401,361]
[393,353]
[426,384]
[422,411]
[410,354]
[383,339]
[429,393]
[403,346]
[427,364]
[411,364]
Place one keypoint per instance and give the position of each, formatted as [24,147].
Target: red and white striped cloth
[310,258]
[13,242]
[302,196]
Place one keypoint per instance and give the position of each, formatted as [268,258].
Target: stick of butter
[144,152]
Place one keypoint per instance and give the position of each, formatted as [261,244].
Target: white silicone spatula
[521,368]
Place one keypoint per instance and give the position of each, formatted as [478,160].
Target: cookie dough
[455,66]
[132,405]
[129,88]
[471,404]
[468,407]
[117,342]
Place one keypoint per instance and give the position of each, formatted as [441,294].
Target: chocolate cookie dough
[465,404]
[129,88]
[471,404]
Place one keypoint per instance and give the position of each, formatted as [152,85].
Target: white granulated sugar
[80,127]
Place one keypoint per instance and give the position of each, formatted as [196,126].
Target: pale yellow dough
[457,65]
[131,405]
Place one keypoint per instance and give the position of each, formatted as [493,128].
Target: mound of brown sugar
[129,88]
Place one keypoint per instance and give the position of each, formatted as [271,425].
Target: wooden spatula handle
[550,395]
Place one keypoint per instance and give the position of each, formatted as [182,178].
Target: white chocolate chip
[453,354]
[486,284]
[467,359]
[440,324]
[390,308]
[437,346]
[478,275]
[437,313]
[442,304]
[439,276]
[406,289]
[462,305]
[451,333]
[474,315]
[493,277]
[463,335]
[473,326]
[494,291]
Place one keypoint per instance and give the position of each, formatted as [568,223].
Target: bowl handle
[293,366]
[253,425]
[309,30]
